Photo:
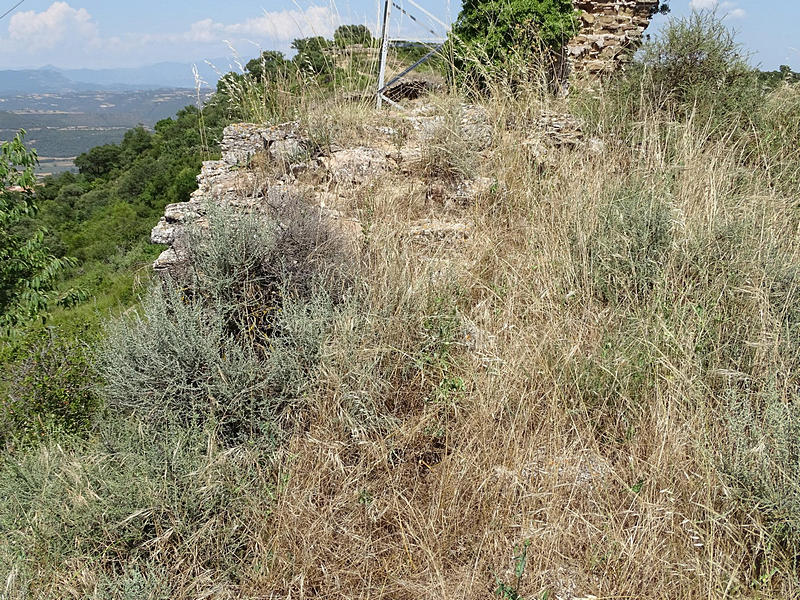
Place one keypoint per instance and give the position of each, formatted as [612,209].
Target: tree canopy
[346,35]
[28,270]
[269,65]
[501,26]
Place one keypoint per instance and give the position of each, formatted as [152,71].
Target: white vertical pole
[387,7]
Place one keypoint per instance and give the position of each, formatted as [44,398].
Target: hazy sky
[108,33]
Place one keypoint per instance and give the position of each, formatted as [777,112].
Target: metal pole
[398,77]
[387,7]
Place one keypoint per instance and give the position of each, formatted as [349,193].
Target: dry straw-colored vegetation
[593,395]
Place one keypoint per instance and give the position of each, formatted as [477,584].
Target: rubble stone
[356,165]
[611,31]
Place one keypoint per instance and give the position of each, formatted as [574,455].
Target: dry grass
[552,386]
[588,426]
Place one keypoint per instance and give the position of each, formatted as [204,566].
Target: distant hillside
[62,125]
[161,75]
[51,80]
[39,81]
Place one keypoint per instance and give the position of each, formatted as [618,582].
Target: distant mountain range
[51,80]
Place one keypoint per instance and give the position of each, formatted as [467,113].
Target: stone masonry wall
[611,30]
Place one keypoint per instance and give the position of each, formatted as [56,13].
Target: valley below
[63,125]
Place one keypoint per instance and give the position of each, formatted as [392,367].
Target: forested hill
[102,215]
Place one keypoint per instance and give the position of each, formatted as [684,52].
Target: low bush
[50,388]
[762,462]
[451,151]
[696,66]
[235,339]
[117,516]
[775,138]
[693,71]
[624,254]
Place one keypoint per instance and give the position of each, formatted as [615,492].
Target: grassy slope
[609,435]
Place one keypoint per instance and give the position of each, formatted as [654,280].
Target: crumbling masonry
[611,30]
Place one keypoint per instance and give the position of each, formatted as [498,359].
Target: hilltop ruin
[611,30]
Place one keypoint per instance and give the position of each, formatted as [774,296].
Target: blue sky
[111,33]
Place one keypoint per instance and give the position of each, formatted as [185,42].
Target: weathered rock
[611,31]
[466,192]
[560,129]
[240,142]
[473,126]
[434,230]
[232,182]
[322,183]
[287,151]
[167,260]
[356,165]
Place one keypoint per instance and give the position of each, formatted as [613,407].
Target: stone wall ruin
[611,31]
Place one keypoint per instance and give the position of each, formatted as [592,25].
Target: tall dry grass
[622,299]
[551,408]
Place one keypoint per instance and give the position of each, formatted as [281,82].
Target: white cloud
[275,28]
[703,4]
[727,9]
[69,37]
[58,25]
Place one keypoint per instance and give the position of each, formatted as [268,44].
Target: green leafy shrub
[311,56]
[28,270]
[491,35]
[695,66]
[118,504]
[346,35]
[613,383]
[268,67]
[626,251]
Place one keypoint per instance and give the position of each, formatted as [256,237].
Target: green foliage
[347,35]
[50,390]
[773,79]
[625,254]
[490,35]
[269,66]
[311,56]
[103,216]
[696,66]
[28,271]
[762,461]
[118,503]
[99,161]
[507,591]
[172,361]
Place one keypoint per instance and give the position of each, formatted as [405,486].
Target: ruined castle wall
[611,30]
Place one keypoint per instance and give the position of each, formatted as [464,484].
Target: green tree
[268,66]
[347,35]
[136,142]
[28,271]
[99,161]
[488,33]
[311,55]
